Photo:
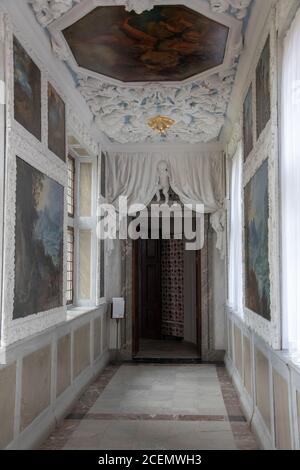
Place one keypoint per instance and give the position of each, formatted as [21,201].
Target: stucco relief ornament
[49,10]
[139,6]
[238,7]
[60,50]
[198,108]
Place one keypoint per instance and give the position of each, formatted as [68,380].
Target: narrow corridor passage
[156,407]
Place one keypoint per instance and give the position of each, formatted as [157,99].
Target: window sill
[75,312]
[291,360]
[11,352]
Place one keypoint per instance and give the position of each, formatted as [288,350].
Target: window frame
[102,167]
[80,223]
[71,224]
[2,164]
[71,158]
[290,339]
[235,300]
[71,229]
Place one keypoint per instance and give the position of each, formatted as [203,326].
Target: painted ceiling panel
[169,43]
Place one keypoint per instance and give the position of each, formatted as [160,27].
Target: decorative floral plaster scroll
[198,108]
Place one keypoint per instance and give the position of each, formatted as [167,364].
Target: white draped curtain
[290,177]
[197,178]
[235,273]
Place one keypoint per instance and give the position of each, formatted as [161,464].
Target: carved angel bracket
[238,8]
[139,6]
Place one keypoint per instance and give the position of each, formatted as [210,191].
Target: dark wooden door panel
[150,289]
[135,300]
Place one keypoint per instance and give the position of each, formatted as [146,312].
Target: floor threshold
[171,360]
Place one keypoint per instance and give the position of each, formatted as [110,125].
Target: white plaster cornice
[164,148]
[48,11]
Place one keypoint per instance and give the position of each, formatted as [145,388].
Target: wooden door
[149,261]
[135,300]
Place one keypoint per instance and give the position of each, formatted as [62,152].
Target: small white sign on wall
[118,308]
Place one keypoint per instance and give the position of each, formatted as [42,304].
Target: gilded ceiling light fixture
[161,124]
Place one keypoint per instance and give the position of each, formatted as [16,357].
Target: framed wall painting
[257,269]
[56,123]
[38,242]
[27,91]
[248,123]
[263,89]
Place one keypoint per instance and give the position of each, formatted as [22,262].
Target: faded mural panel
[38,242]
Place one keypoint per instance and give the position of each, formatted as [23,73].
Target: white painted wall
[218,295]
[113,272]
[113,286]
[190,324]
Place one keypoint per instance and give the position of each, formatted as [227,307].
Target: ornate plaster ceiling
[123,113]
[195,95]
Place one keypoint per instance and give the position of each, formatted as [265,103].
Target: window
[85,253]
[70,265]
[84,250]
[71,186]
[290,188]
[235,275]
[70,230]
[85,185]
[102,269]
[102,242]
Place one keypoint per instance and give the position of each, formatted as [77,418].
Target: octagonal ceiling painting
[168,43]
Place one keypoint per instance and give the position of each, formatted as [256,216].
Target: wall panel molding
[37,425]
[283,414]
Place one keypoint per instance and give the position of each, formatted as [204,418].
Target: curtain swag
[197,178]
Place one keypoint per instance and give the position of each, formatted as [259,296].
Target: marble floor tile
[156,407]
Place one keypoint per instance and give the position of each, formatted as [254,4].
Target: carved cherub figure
[240,6]
[163,183]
